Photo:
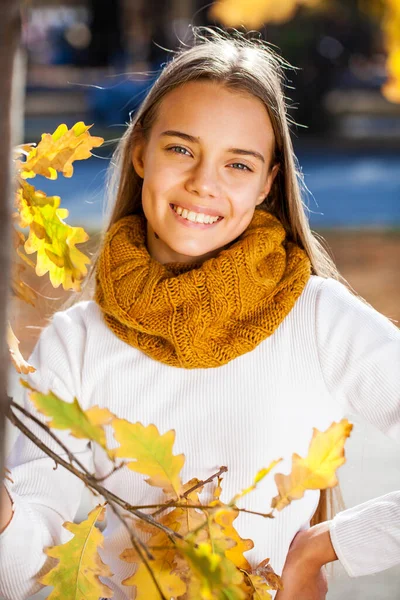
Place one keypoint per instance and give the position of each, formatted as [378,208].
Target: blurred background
[93,60]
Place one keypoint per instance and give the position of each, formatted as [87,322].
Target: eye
[177,150]
[242,167]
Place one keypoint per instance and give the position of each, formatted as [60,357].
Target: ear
[138,157]
[268,184]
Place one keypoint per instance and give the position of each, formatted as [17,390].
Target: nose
[203,180]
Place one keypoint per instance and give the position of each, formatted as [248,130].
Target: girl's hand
[303,575]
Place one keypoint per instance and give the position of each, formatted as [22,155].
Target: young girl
[216,313]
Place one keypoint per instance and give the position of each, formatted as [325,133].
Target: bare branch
[199,484]
[88,478]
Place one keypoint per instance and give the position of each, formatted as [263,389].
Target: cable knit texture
[207,315]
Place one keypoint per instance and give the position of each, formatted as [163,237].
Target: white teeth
[194,217]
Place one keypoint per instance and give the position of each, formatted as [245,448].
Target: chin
[193,252]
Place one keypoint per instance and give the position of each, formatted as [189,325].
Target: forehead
[215,113]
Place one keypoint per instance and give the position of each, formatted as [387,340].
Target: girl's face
[205,167]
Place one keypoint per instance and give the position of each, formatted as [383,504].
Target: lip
[206,210]
[190,223]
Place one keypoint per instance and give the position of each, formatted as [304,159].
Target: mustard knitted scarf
[199,316]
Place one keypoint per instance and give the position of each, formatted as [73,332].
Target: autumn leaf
[213,576]
[54,240]
[56,152]
[169,571]
[76,576]
[259,477]
[69,415]
[318,469]
[258,587]
[218,489]
[224,533]
[169,582]
[152,454]
[265,571]
[22,150]
[20,364]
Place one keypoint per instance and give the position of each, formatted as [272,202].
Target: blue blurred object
[349,188]
[352,188]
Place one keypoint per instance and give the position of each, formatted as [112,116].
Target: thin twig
[114,470]
[89,479]
[199,484]
[47,429]
[137,543]
[131,534]
[172,504]
[260,514]
[202,483]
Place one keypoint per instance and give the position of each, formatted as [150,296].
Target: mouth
[195,218]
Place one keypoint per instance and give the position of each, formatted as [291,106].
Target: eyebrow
[196,140]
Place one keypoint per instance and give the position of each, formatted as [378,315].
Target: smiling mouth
[195,217]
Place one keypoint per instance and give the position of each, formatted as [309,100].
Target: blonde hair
[245,64]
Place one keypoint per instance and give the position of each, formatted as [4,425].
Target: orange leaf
[318,469]
[17,359]
[56,152]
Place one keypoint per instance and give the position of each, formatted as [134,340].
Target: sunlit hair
[246,64]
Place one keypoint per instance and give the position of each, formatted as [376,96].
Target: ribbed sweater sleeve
[359,352]
[43,497]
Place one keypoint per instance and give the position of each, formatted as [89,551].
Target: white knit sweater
[331,355]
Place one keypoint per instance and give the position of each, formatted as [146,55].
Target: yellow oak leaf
[22,149]
[56,152]
[258,587]
[212,575]
[152,454]
[18,243]
[20,364]
[218,489]
[233,545]
[169,578]
[169,582]
[318,469]
[76,576]
[265,571]
[69,415]
[259,477]
[54,240]
[167,564]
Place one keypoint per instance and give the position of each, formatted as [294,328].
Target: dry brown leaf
[17,359]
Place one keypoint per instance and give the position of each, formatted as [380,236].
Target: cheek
[246,198]
[160,179]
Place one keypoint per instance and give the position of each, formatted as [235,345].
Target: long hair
[241,63]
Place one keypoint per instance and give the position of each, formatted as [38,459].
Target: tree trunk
[10,26]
